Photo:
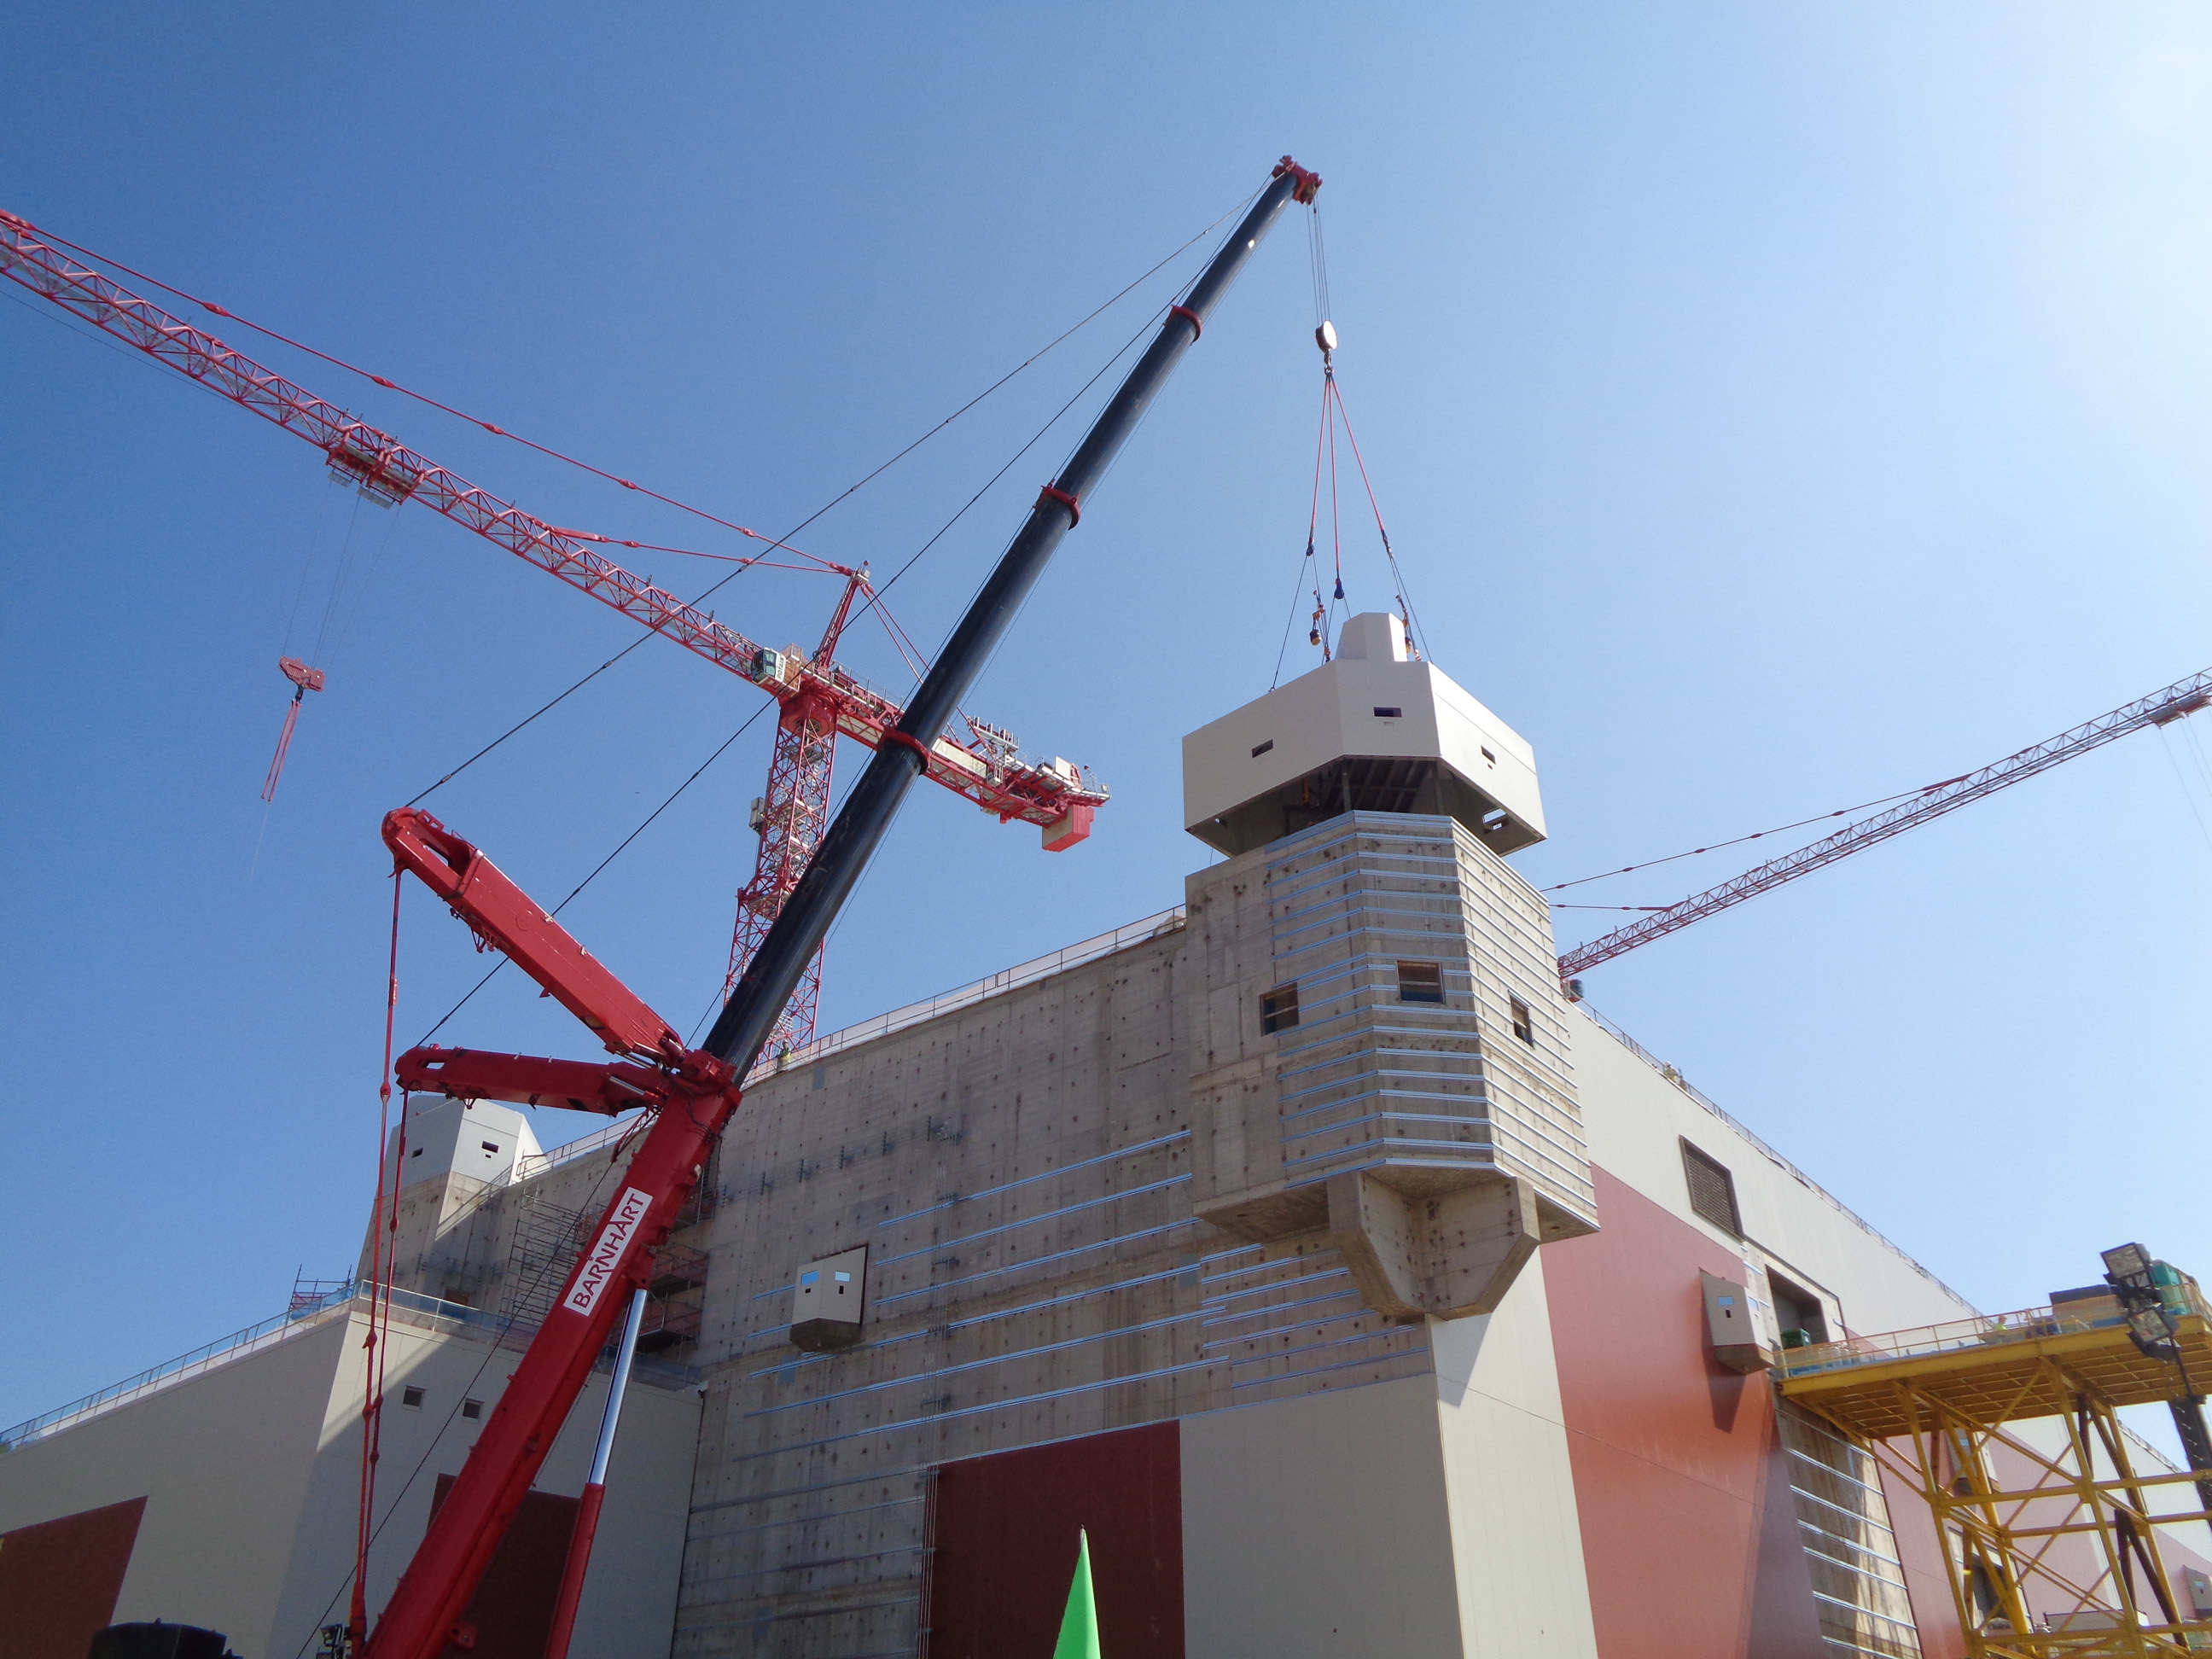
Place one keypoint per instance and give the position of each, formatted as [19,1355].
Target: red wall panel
[1688,1535]
[1004,1533]
[512,1609]
[59,1579]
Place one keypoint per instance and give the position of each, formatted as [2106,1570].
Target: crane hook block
[1325,336]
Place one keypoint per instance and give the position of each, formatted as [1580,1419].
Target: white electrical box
[1730,1329]
[827,1299]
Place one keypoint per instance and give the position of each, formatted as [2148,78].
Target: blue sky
[1775,407]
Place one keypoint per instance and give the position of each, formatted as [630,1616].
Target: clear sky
[1775,407]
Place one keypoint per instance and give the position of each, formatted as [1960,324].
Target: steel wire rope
[571,460]
[492,1349]
[875,594]
[619,849]
[1819,818]
[2188,794]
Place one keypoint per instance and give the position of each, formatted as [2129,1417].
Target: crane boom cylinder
[750,1015]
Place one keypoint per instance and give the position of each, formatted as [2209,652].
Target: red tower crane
[2162,707]
[820,698]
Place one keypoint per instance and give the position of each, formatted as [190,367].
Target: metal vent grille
[1712,1190]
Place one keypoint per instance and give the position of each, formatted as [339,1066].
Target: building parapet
[1008,979]
[1768,1152]
[408,1307]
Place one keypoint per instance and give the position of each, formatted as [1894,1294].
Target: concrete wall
[250,1472]
[224,1461]
[1319,1528]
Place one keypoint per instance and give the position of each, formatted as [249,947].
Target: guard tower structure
[1423,1120]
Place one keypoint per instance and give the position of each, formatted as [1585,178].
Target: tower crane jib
[2161,708]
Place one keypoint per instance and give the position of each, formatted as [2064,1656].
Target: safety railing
[1989,1330]
[412,1306]
[1009,979]
[531,1165]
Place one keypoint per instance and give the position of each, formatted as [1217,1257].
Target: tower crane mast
[2161,708]
[821,699]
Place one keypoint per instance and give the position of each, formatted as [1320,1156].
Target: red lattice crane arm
[1059,800]
[2160,709]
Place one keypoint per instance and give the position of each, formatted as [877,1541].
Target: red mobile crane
[693,1091]
[820,699]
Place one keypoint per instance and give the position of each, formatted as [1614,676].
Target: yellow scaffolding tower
[2050,1533]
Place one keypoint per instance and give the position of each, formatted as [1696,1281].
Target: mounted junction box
[827,1301]
[1729,1331]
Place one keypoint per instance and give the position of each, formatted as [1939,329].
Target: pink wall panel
[1688,1535]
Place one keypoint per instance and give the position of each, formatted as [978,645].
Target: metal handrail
[1007,979]
[1986,1330]
[664,1373]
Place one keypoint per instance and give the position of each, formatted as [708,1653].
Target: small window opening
[1798,1313]
[821,1075]
[1713,1190]
[472,1408]
[1420,981]
[410,1396]
[1263,749]
[1491,758]
[809,1276]
[1389,714]
[489,1145]
[1524,1022]
[1279,1009]
[417,1153]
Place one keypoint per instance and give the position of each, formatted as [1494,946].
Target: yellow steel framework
[2051,1531]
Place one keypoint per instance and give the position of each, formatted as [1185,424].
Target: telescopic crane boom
[2183,697]
[693,1091]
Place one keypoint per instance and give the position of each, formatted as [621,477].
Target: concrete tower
[1422,1120]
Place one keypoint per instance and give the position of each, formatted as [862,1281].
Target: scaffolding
[2050,1511]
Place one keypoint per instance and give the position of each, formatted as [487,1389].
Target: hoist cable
[627,484]
[605,861]
[1649,864]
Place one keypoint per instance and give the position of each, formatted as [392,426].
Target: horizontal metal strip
[1867,1613]
[1035,1220]
[1064,1169]
[917,1470]
[1322,1370]
[808,1566]
[1312,1278]
[805,1520]
[1035,1261]
[1277,1307]
[974,1365]
[1369,1074]
[684,1630]
[806,1361]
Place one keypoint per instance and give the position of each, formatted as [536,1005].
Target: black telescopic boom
[768,979]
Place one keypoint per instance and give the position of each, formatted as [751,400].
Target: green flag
[1078,1626]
